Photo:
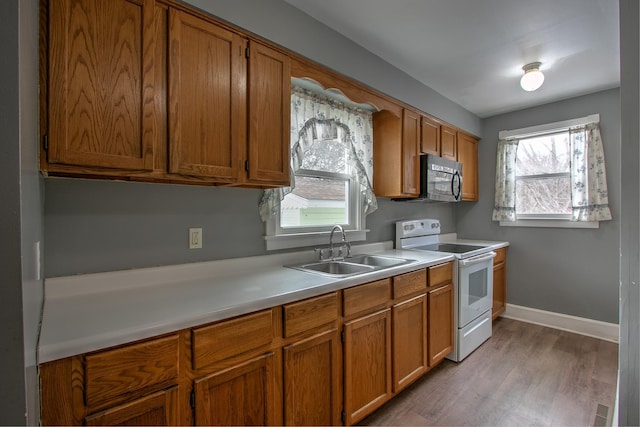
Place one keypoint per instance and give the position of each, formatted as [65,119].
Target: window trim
[277,238]
[547,128]
[550,223]
[353,203]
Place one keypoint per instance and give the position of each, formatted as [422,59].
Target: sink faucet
[344,240]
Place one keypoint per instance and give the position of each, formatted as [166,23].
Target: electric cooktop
[448,247]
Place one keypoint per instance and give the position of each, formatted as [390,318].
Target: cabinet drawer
[409,283]
[145,366]
[232,337]
[501,255]
[367,296]
[308,314]
[440,274]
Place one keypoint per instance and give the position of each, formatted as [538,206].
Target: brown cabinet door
[240,395]
[367,365]
[101,83]
[410,153]
[499,283]
[157,409]
[430,137]
[468,156]
[409,341]
[269,115]
[312,394]
[448,143]
[440,323]
[207,99]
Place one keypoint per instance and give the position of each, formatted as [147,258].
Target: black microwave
[440,179]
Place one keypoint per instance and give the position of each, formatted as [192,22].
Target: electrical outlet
[195,238]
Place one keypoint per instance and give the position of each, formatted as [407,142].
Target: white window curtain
[316,116]
[589,197]
[504,207]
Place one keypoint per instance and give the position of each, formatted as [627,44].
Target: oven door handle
[477,259]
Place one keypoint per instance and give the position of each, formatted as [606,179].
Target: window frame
[547,220]
[278,237]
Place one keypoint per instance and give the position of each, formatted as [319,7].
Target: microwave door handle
[458,178]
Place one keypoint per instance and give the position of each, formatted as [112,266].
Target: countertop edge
[52,347]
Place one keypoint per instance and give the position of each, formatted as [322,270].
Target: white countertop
[90,312]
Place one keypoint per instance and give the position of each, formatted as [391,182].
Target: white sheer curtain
[314,115]
[589,196]
[504,207]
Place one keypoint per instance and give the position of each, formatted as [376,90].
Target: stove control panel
[417,227]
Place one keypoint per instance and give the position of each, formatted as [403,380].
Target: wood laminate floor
[524,375]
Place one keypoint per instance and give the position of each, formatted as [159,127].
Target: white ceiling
[472,51]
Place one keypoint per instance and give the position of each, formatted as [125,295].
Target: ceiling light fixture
[532,78]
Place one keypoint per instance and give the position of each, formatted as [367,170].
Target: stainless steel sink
[336,268]
[351,266]
[378,260]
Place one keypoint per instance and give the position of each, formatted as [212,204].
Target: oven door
[475,287]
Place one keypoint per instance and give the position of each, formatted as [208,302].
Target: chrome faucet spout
[344,239]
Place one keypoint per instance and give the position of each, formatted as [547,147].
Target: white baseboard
[579,325]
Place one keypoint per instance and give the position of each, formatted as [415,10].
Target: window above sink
[332,169]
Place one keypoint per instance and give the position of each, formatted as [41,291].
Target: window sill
[287,241]
[550,223]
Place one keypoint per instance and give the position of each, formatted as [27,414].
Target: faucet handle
[320,253]
[341,250]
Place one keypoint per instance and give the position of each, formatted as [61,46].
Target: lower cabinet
[440,315]
[157,409]
[327,360]
[499,283]
[135,384]
[409,341]
[312,393]
[312,361]
[367,364]
[240,395]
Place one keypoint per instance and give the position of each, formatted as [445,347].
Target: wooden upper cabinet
[448,143]
[468,156]
[410,152]
[429,136]
[101,79]
[269,115]
[396,154]
[207,93]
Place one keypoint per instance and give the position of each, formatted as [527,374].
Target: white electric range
[472,281]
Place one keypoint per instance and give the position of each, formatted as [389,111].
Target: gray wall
[629,366]
[21,213]
[12,392]
[570,271]
[93,226]
[32,201]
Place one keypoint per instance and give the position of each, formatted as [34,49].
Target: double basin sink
[351,266]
